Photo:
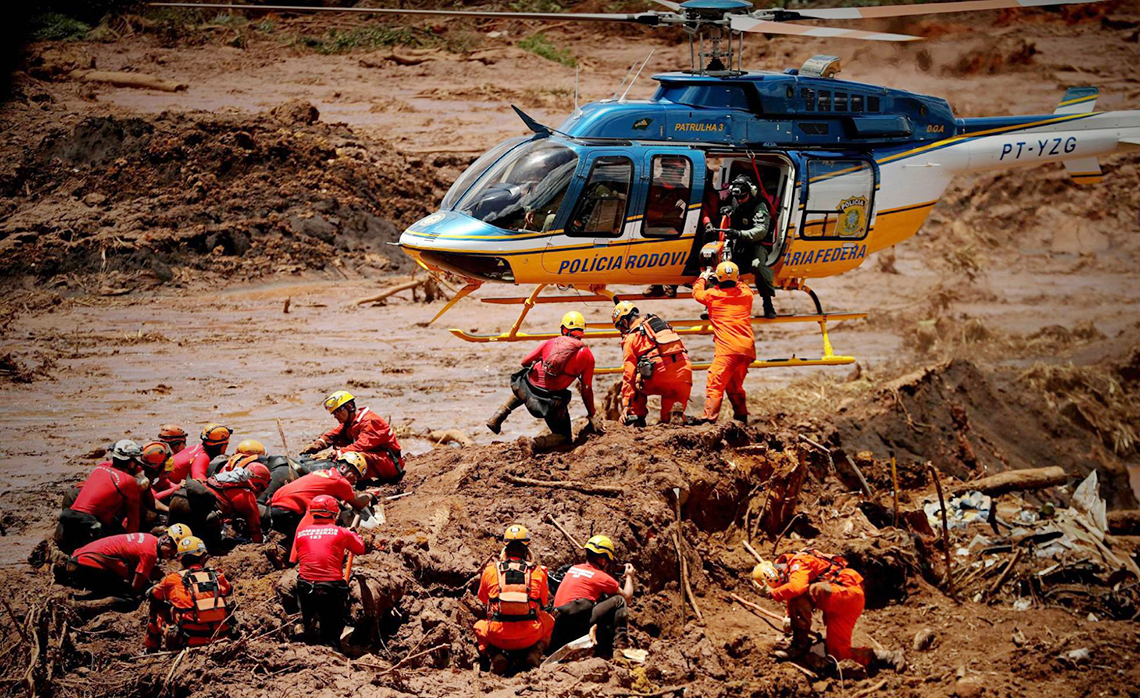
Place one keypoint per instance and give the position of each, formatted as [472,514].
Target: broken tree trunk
[119,79]
[577,485]
[441,437]
[1016,480]
[389,291]
[1124,522]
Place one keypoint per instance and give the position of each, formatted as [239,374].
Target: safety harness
[515,600]
[209,612]
[835,565]
[666,342]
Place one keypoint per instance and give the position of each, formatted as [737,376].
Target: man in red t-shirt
[120,565]
[193,462]
[290,503]
[365,432]
[322,590]
[107,502]
[543,383]
[589,596]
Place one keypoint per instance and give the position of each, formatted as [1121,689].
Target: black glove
[731,234]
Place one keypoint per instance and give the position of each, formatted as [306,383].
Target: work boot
[495,423]
[534,656]
[769,309]
[499,663]
[741,417]
[886,659]
[655,291]
[547,442]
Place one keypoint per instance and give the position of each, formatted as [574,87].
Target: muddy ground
[153,241]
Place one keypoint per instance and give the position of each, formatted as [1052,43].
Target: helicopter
[846,168]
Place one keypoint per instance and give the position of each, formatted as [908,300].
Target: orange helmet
[171,433]
[155,454]
[216,435]
[251,447]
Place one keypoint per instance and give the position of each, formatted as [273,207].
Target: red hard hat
[259,475]
[324,506]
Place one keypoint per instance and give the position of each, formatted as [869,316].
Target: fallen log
[120,79]
[389,291]
[577,485]
[569,538]
[1016,480]
[441,437]
[1124,522]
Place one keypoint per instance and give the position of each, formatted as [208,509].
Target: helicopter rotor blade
[649,18]
[749,24]
[674,6]
[930,8]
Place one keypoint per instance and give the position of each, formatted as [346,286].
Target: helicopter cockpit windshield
[524,189]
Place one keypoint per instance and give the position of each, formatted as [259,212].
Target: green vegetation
[52,26]
[539,45]
[364,38]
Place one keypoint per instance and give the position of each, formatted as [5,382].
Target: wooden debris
[1005,573]
[577,546]
[678,541]
[121,79]
[656,694]
[877,687]
[895,487]
[391,290]
[945,528]
[859,473]
[441,437]
[1124,522]
[1016,480]
[577,485]
[764,613]
[405,660]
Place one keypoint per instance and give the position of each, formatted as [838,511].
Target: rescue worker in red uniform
[290,503]
[155,456]
[322,589]
[808,580]
[588,596]
[122,565]
[730,313]
[173,436]
[513,591]
[543,383]
[654,362]
[229,497]
[365,432]
[191,607]
[194,462]
[107,502]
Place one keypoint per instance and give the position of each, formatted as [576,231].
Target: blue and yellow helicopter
[848,168]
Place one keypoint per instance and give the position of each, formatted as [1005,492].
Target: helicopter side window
[601,206]
[839,199]
[669,192]
[524,189]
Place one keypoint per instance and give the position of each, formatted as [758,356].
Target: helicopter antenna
[627,89]
[622,83]
[577,109]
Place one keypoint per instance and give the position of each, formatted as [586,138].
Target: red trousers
[673,382]
[726,375]
[515,635]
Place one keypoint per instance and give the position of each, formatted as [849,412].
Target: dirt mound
[127,202]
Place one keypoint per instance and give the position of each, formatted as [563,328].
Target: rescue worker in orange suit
[248,451]
[122,566]
[229,497]
[322,590]
[750,232]
[194,462]
[654,362]
[513,591]
[730,313]
[588,596]
[107,502]
[361,431]
[191,607]
[808,580]
[290,503]
[543,384]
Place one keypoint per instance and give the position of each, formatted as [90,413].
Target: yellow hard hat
[602,545]
[337,400]
[354,459]
[766,573]
[251,447]
[191,545]
[516,533]
[727,271]
[216,434]
[573,320]
[179,531]
[624,312]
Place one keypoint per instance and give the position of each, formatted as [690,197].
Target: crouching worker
[322,585]
[513,590]
[107,503]
[365,432]
[227,498]
[588,596]
[191,607]
[121,566]
[808,580]
[654,362]
[289,504]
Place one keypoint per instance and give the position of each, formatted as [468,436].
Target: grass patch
[364,38]
[52,26]
[539,45]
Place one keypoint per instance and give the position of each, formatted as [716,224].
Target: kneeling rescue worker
[190,608]
[588,596]
[322,587]
[543,383]
[108,501]
[513,590]
[291,502]
[808,580]
[361,431]
[730,313]
[654,362]
[120,565]
[228,497]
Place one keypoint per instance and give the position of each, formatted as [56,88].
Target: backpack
[836,564]
[514,601]
[562,350]
[207,619]
[665,340]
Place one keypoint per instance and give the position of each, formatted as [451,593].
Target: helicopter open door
[837,204]
[669,214]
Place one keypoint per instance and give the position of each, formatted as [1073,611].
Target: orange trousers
[515,635]
[674,383]
[841,606]
[726,375]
